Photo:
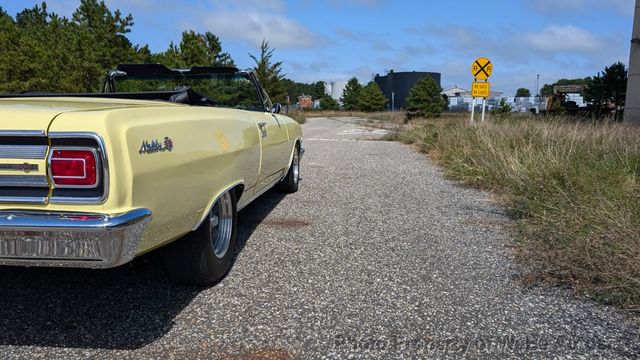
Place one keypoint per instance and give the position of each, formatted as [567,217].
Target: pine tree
[424,99]
[195,49]
[371,98]
[351,95]
[100,41]
[270,73]
[607,91]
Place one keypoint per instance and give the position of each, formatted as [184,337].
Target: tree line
[605,92]
[43,51]
[424,98]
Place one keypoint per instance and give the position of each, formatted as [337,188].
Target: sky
[332,40]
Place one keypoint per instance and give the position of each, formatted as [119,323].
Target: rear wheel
[204,256]
[290,183]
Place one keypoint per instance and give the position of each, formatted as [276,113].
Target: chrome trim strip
[105,168]
[23,151]
[24,180]
[23,199]
[68,221]
[25,133]
[85,240]
[214,202]
[76,200]
[19,167]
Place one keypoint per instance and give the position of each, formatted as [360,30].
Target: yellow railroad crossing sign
[480,89]
[481,68]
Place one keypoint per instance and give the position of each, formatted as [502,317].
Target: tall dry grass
[574,188]
[395,117]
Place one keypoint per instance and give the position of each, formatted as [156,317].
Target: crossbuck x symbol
[479,68]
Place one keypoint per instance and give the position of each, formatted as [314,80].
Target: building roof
[453,91]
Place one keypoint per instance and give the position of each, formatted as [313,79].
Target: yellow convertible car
[161,157]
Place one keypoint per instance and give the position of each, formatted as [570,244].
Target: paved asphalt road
[377,256]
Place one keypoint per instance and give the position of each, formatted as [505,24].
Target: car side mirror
[277,107]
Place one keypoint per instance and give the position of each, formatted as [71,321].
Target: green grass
[573,188]
[299,116]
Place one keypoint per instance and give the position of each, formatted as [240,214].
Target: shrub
[503,110]
[328,103]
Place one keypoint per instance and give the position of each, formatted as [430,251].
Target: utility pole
[632,104]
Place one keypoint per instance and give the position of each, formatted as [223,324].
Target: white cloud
[381,46]
[561,7]
[567,38]
[362,3]
[276,5]
[253,27]
[370,3]
[139,4]
[353,35]
[67,7]
[518,53]
[555,5]
[60,7]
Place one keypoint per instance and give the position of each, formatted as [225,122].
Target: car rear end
[54,189]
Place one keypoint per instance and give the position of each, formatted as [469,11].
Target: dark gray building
[396,85]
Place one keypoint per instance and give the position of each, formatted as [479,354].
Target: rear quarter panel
[213,149]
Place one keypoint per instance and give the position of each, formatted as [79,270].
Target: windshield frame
[159,71]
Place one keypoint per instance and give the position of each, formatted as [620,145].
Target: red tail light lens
[74,167]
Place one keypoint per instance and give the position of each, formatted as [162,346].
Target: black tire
[290,182]
[193,260]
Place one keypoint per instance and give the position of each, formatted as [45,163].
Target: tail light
[74,167]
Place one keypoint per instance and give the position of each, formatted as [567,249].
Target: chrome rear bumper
[70,239]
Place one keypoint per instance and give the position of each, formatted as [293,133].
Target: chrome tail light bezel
[100,150]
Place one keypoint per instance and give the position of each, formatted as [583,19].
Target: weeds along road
[377,256]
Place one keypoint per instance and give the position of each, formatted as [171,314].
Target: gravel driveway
[377,256]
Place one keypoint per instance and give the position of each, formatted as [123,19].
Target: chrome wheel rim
[296,166]
[221,225]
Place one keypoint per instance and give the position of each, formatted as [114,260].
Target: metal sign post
[484,103]
[473,110]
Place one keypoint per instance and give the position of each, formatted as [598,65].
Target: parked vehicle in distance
[160,158]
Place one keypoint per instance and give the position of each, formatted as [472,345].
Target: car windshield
[234,90]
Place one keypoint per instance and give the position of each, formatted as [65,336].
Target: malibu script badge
[155,146]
